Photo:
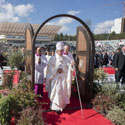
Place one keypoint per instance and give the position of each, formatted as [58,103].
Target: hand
[59,70]
[39,60]
[72,63]
[116,69]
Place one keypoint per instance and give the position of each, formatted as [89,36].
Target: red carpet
[109,70]
[72,115]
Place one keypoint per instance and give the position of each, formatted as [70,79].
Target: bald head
[66,48]
[123,49]
[38,51]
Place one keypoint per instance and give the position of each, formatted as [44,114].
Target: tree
[15,59]
[113,33]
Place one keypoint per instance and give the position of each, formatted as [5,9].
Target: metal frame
[57,16]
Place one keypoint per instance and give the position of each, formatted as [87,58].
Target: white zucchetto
[59,46]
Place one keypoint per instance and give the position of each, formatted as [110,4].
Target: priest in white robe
[48,56]
[40,64]
[58,80]
[67,54]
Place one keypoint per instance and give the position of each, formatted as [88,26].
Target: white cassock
[39,69]
[45,70]
[58,85]
[48,58]
[69,56]
[71,59]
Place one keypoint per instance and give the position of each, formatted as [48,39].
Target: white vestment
[58,85]
[45,69]
[48,58]
[69,56]
[39,69]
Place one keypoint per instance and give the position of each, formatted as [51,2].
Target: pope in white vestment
[58,80]
[40,64]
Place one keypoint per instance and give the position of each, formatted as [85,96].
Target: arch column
[29,33]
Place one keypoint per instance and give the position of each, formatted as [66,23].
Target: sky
[100,15]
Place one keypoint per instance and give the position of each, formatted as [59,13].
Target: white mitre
[59,46]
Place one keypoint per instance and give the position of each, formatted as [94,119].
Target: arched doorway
[29,33]
[85,56]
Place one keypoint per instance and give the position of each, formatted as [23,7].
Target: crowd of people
[103,59]
[115,59]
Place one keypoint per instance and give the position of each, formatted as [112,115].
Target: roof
[18,29]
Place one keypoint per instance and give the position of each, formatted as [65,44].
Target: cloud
[64,21]
[64,29]
[72,12]
[104,27]
[12,13]
[23,10]
[109,26]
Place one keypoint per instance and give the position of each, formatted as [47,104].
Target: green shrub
[1,87]
[8,80]
[24,82]
[24,97]
[123,87]
[103,103]
[96,88]
[110,101]
[23,75]
[114,91]
[8,106]
[31,116]
[99,75]
[109,89]
[15,102]
[15,59]
[120,100]
[116,115]
[4,92]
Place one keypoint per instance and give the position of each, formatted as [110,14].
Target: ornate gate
[85,56]
[85,62]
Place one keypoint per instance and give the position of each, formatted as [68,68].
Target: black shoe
[40,97]
[58,112]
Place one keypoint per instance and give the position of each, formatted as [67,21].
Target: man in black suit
[1,60]
[113,62]
[120,66]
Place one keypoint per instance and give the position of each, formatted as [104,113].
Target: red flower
[98,108]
